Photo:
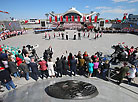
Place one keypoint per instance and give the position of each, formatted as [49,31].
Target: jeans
[16,74]
[73,70]
[10,83]
[104,73]
[27,76]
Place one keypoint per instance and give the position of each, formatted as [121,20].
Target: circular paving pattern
[72,89]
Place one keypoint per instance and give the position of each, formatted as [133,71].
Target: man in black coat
[59,67]
[73,66]
[65,66]
[24,51]
[6,79]
[34,68]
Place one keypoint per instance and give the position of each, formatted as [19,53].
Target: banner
[66,18]
[95,19]
[90,19]
[50,19]
[55,18]
[84,19]
[78,18]
[72,17]
[61,19]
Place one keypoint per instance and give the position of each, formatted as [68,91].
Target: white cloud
[86,6]
[132,1]
[118,11]
[119,0]
[103,7]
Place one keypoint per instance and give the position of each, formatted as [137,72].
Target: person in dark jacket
[24,51]
[105,69]
[65,66]
[123,72]
[33,65]
[59,67]
[23,69]
[6,79]
[73,66]
[13,67]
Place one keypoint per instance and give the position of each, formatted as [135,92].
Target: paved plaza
[32,91]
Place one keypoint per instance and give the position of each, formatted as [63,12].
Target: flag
[55,18]
[95,19]
[50,19]
[90,20]
[124,18]
[6,12]
[61,19]
[72,17]
[66,18]
[84,19]
[78,18]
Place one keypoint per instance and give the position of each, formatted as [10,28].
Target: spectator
[13,67]
[23,69]
[65,66]
[131,74]
[24,51]
[96,67]
[34,68]
[18,60]
[73,66]
[6,79]
[90,67]
[50,68]
[43,68]
[59,67]
[105,69]
[123,72]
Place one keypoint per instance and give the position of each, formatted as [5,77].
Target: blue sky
[25,9]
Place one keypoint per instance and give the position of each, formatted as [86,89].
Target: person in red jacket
[18,60]
[43,68]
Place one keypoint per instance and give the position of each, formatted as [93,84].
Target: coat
[59,64]
[73,64]
[43,65]
[34,67]
[5,75]
[123,72]
[23,67]
[12,67]
[65,65]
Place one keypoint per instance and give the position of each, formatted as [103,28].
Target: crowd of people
[8,34]
[19,63]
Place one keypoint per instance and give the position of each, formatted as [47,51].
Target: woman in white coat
[131,75]
[50,68]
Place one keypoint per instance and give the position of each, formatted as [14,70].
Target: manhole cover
[72,89]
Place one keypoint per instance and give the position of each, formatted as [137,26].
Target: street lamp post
[47,19]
